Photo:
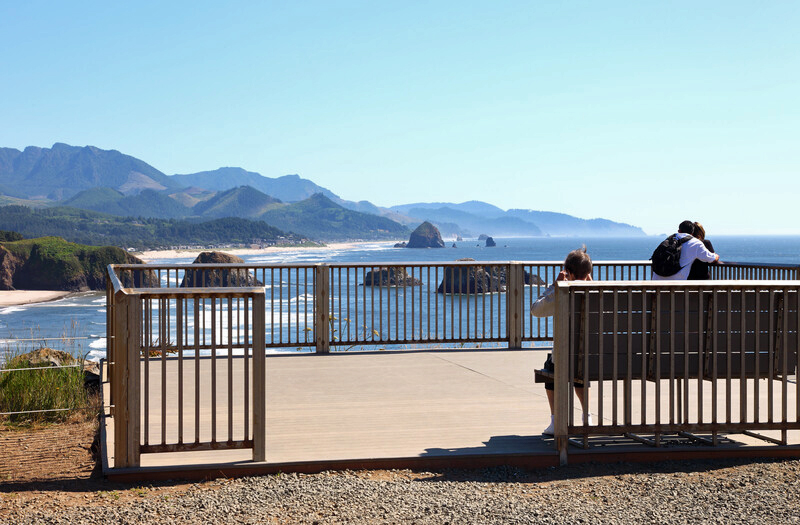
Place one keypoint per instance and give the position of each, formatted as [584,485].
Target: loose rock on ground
[671,492]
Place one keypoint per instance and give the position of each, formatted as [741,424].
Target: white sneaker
[550,430]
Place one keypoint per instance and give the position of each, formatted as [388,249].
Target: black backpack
[667,256]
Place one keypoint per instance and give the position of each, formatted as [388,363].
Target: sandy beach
[153,255]
[18,297]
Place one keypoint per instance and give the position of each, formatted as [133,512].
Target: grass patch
[42,388]
[34,392]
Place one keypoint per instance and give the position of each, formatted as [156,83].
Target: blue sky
[640,112]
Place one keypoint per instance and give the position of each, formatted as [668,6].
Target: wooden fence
[183,321]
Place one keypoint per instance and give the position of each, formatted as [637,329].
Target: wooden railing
[156,336]
[189,321]
[347,305]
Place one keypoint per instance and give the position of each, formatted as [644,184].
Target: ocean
[77,323]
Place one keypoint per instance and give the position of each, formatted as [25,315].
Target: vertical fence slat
[259,381]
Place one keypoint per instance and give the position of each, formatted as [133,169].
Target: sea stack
[425,236]
[216,277]
[490,242]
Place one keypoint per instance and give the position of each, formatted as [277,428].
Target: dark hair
[686,227]
[578,263]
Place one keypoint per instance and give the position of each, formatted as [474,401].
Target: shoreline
[23,297]
[154,255]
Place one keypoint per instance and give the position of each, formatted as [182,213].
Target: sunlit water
[78,323]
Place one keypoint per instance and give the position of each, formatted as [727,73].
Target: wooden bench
[635,331]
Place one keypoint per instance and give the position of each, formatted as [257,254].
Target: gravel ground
[670,492]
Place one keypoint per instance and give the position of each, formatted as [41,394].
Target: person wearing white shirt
[691,250]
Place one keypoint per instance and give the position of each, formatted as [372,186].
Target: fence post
[515,292]
[110,332]
[126,380]
[322,308]
[259,379]
[561,359]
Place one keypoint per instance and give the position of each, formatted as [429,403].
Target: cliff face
[51,263]
[8,267]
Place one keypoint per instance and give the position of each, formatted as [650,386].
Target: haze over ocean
[86,312]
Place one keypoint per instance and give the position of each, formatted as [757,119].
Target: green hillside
[148,203]
[92,228]
[244,201]
[289,188]
[51,263]
[320,218]
[189,197]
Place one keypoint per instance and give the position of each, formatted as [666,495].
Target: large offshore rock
[472,279]
[490,242]
[139,278]
[425,236]
[217,277]
[390,276]
[479,279]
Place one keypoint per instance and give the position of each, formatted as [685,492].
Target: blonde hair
[699,231]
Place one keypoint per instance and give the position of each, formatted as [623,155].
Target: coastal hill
[476,216]
[62,171]
[243,201]
[148,203]
[51,263]
[111,182]
[289,188]
[327,220]
[98,229]
[316,217]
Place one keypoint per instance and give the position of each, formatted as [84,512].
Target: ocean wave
[63,304]
[98,343]
[96,355]
[11,310]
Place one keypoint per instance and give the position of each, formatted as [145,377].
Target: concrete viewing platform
[409,409]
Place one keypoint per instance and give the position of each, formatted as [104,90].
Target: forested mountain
[479,208]
[563,224]
[289,188]
[327,220]
[97,229]
[243,201]
[476,217]
[474,225]
[117,184]
[62,171]
[192,195]
[148,203]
